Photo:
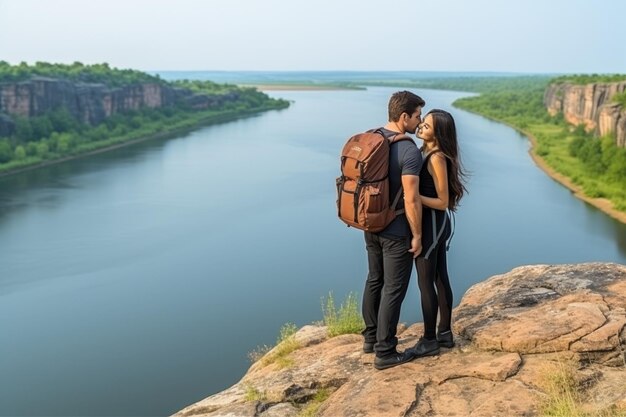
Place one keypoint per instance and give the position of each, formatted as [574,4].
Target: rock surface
[511,332]
[591,106]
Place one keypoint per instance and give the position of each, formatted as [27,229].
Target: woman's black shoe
[445,339]
[425,347]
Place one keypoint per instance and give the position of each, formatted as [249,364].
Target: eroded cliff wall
[590,105]
[92,103]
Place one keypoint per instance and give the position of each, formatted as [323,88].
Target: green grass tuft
[253,394]
[564,394]
[345,320]
[285,344]
[313,406]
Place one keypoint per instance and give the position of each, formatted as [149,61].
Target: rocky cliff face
[91,103]
[511,331]
[591,106]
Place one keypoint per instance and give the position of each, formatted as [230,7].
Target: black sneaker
[445,339]
[392,360]
[368,347]
[425,347]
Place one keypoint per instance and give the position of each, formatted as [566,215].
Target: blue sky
[539,36]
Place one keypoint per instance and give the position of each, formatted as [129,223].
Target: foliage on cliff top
[620,99]
[207,87]
[582,79]
[78,72]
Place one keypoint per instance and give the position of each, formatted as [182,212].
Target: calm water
[135,282]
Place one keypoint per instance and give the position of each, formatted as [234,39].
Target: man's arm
[413,211]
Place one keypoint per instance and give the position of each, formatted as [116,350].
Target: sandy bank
[601,203]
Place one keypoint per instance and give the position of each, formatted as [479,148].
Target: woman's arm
[438,169]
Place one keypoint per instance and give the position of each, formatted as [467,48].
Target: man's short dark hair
[403,102]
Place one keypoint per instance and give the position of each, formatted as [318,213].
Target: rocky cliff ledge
[511,331]
[590,105]
[92,103]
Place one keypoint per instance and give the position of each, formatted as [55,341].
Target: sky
[529,36]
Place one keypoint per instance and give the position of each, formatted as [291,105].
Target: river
[135,282]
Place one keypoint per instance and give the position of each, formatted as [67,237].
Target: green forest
[597,165]
[57,134]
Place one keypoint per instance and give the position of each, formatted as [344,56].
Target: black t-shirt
[404,159]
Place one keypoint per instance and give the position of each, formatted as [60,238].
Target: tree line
[476,84]
[76,72]
[590,78]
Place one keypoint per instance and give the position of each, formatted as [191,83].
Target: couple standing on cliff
[431,183]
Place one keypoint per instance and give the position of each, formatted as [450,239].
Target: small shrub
[542,151]
[285,344]
[346,320]
[253,394]
[564,394]
[286,332]
[312,407]
[621,205]
[561,389]
[258,353]
[592,190]
[620,99]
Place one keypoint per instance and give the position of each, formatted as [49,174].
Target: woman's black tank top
[427,183]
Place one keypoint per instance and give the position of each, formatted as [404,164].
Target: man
[390,253]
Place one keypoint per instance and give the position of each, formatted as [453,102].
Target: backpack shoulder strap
[399,138]
[395,139]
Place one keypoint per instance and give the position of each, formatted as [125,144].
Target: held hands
[416,246]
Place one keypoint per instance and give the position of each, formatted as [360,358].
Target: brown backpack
[363,187]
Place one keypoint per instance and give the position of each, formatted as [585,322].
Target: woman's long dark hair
[445,134]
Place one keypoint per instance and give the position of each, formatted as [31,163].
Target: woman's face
[425,130]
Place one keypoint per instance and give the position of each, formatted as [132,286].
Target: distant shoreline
[601,204]
[299,87]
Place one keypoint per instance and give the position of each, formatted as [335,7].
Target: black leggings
[432,274]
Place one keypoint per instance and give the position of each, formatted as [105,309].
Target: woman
[441,189]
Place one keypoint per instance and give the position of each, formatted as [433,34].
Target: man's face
[412,121]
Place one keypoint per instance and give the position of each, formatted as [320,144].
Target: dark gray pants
[390,264]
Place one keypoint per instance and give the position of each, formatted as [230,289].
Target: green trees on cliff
[620,99]
[590,78]
[77,72]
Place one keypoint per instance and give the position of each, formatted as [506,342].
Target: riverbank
[299,87]
[112,144]
[602,204]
